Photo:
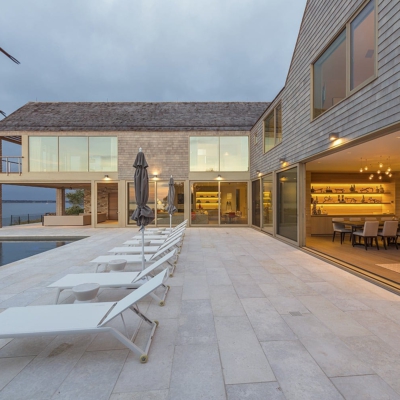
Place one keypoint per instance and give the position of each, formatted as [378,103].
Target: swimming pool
[14,250]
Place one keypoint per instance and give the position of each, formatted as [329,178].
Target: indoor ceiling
[385,149]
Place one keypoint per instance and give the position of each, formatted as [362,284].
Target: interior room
[347,189]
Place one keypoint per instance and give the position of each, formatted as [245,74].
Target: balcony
[11,165]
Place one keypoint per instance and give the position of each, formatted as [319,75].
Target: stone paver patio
[247,317]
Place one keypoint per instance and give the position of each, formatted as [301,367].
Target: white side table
[86,292]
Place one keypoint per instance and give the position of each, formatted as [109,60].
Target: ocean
[23,209]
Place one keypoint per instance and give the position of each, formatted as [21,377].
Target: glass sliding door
[205,203]
[287,204]
[233,203]
[219,203]
[255,200]
[267,213]
[162,203]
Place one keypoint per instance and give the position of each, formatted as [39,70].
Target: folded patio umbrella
[143,215]
[171,200]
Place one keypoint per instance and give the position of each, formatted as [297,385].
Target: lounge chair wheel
[156,322]
[143,358]
[171,275]
[161,303]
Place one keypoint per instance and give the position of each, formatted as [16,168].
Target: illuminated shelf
[350,204]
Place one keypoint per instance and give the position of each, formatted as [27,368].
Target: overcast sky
[145,50]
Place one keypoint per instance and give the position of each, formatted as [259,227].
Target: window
[226,153]
[234,153]
[204,153]
[330,76]
[103,154]
[362,46]
[331,82]
[273,128]
[73,154]
[43,154]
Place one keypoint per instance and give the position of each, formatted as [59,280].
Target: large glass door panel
[233,203]
[267,213]
[287,204]
[255,200]
[205,203]
[132,200]
[162,203]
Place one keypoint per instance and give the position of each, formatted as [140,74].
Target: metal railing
[11,164]
[22,219]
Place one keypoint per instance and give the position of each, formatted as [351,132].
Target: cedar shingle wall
[374,107]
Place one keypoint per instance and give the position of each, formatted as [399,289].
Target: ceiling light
[380,165]
[361,170]
[390,175]
[389,169]
[380,176]
[379,171]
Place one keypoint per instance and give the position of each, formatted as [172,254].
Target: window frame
[346,28]
[274,112]
[248,139]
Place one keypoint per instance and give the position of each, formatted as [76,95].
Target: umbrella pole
[170,221]
[143,261]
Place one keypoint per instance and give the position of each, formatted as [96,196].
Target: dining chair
[388,232]
[369,233]
[339,227]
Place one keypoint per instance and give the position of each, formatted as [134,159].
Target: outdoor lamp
[219,177]
[333,136]
[282,159]
[106,178]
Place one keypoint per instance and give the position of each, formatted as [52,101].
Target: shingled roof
[82,116]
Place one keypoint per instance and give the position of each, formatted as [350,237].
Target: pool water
[14,251]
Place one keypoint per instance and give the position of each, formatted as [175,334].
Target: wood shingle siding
[374,107]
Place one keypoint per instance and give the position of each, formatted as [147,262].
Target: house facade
[92,146]
[326,147]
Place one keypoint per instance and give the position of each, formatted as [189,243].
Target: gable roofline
[297,41]
[270,105]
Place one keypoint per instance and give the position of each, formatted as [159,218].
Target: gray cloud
[146,50]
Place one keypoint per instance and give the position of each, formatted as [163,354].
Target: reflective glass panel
[362,46]
[204,153]
[205,203]
[269,132]
[132,205]
[255,199]
[330,76]
[278,124]
[43,154]
[267,214]
[287,204]
[233,203]
[103,154]
[234,153]
[163,217]
[73,154]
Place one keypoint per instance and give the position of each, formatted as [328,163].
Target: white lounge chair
[152,236]
[155,242]
[137,258]
[128,280]
[75,319]
[147,249]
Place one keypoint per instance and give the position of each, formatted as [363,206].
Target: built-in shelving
[207,200]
